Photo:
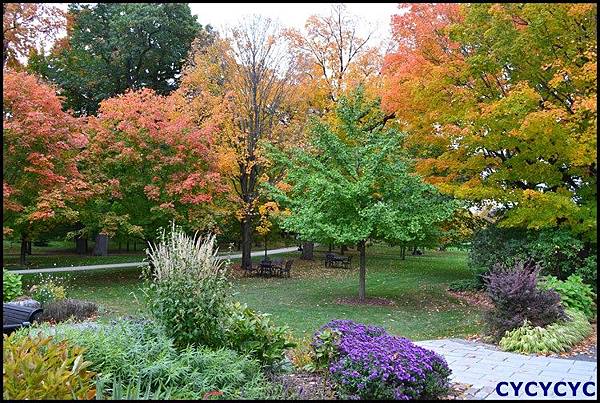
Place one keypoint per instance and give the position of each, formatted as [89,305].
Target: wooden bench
[16,316]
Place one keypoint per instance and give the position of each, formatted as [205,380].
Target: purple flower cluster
[371,364]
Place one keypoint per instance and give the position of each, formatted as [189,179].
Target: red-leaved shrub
[515,296]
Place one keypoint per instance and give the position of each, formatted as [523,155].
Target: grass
[422,309]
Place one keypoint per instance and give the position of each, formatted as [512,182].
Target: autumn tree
[499,101]
[150,165]
[112,47]
[239,85]
[25,26]
[354,185]
[41,182]
[333,57]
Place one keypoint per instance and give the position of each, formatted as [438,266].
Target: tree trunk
[343,249]
[246,244]
[101,247]
[127,246]
[330,247]
[23,258]
[362,273]
[29,247]
[81,245]
[307,251]
[265,247]
[403,252]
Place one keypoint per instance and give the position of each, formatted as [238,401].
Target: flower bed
[364,362]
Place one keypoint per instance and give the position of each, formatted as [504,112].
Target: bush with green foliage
[558,251]
[555,338]
[574,293]
[325,347]
[516,298]
[47,290]
[130,391]
[254,334]
[129,352]
[187,290]
[40,368]
[469,284]
[12,286]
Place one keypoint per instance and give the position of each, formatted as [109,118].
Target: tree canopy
[112,47]
[354,185]
[149,164]
[25,26]
[41,145]
[499,101]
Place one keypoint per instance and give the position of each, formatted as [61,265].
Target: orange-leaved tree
[25,26]
[239,85]
[41,183]
[334,55]
[151,164]
[499,101]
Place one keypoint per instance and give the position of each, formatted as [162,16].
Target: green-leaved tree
[113,47]
[353,185]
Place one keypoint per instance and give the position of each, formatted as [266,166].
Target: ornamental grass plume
[188,292]
[178,254]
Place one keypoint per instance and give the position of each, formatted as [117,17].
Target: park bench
[333,260]
[16,316]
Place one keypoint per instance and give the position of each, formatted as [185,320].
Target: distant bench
[333,260]
[16,316]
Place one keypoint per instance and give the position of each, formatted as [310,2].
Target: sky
[373,16]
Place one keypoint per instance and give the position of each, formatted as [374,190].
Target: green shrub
[47,290]
[555,338]
[470,284]
[325,347]
[573,293]
[12,287]
[130,391]
[588,270]
[130,352]
[38,368]
[188,290]
[253,333]
[558,251]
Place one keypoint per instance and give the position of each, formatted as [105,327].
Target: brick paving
[483,366]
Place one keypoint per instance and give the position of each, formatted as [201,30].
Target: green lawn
[307,300]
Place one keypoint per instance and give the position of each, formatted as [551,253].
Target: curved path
[140,264]
[483,366]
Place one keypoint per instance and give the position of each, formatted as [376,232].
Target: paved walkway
[484,366]
[139,264]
